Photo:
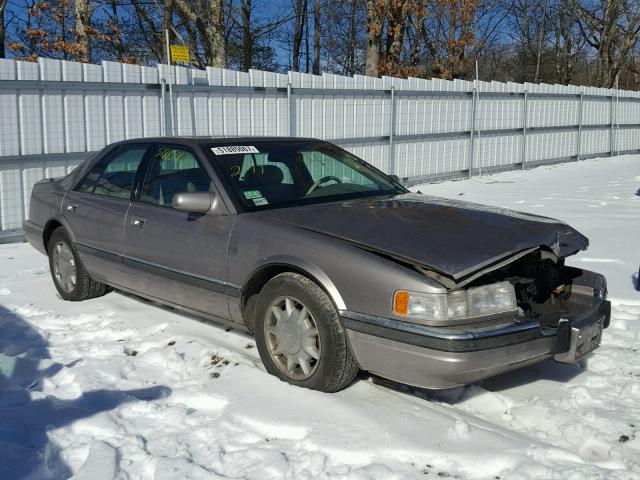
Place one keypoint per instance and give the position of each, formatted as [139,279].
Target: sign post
[166,32]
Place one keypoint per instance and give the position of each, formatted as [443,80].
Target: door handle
[137,222]
[70,207]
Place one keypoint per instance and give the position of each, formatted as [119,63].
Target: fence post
[525,123]
[290,109]
[163,113]
[611,125]
[473,130]
[579,139]
[617,120]
[392,127]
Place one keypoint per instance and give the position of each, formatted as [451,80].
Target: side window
[114,176]
[321,165]
[172,170]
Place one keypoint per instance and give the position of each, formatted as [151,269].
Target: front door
[96,209]
[176,256]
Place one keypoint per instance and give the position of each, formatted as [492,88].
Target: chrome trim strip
[131,261]
[458,342]
[428,332]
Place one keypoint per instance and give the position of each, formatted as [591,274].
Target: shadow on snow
[25,449]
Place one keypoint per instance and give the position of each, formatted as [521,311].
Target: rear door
[96,209]
[176,256]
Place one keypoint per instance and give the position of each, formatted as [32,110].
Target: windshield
[279,174]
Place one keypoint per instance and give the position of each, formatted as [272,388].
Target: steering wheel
[317,183]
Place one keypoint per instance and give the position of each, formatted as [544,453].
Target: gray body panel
[452,238]
[97,223]
[360,252]
[355,279]
[192,246]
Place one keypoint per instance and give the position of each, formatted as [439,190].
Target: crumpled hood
[450,237]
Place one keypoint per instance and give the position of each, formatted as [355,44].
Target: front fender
[306,267]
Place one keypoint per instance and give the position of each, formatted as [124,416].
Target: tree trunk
[247,35]
[306,37]
[83,21]
[167,13]
[300,8]
[395,39]
[541,35]
[117,34]
[374,38]
[210,26]
[215,34]
[353,32]
[3,4]
[316,38]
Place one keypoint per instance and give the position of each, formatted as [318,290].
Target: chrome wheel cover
[292,338]
[64,267]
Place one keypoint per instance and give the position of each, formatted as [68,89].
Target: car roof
[215,140]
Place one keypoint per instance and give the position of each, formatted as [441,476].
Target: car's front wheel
[69,275]
[299,335]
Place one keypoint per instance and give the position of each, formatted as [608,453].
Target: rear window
[114,176]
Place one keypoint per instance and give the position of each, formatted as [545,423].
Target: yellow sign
[180,53]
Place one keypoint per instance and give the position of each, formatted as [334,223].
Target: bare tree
[611,27]
[529,29]
[83,22]
[388,24]
[3,4]
[343,39]
[568,45]
[541,35]
[50,30]
[250,34]
[247,34]
[300,20]
[453,33]
[207,16]
[375,25]
[316,37]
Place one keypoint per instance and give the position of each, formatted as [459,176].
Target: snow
[121,388]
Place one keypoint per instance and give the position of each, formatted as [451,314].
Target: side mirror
[395,178]
[194,202]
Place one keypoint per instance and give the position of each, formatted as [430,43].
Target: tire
[60,248]
[335,368]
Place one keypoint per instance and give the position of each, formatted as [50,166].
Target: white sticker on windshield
[260,201]
[234,149]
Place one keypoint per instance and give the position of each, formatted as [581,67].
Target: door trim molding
[199,281]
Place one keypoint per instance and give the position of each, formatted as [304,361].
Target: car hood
[452,238]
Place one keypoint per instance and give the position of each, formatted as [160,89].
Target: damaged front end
[566,302]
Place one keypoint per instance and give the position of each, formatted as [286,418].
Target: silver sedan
[331,264]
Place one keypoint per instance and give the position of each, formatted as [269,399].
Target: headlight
[456,304]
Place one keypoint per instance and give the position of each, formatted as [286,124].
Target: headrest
[264,175]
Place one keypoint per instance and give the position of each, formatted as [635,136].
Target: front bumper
[435,358]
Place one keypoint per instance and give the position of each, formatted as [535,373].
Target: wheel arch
[49,228]
[275,266]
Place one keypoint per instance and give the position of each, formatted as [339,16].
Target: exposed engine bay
[546,289]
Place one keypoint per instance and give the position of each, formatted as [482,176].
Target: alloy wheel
[64,267]
[292,338]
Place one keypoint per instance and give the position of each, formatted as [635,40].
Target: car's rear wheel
[69,275]
[299,335]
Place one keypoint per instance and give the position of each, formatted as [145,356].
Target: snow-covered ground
[121,388]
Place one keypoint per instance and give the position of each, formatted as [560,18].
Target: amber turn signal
[401,302]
